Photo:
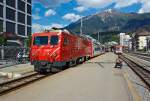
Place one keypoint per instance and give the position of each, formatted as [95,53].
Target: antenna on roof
[81,27]
[55,28]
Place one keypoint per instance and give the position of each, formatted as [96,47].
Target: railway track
[141,56]
[14,84]
[143,73]
[11,85]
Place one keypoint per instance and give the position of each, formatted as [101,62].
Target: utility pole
[81,27]
[147,44]
[98,36]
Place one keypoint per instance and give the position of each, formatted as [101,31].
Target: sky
[60,13]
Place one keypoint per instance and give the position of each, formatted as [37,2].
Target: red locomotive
[58,48]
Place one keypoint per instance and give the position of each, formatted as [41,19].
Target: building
[121,35]
[15,18]
[139,39]
[124,39]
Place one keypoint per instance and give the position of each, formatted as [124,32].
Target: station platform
[94,80]
[16,70]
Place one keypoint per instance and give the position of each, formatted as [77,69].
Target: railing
[13,55]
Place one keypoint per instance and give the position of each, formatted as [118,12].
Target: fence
[13,55]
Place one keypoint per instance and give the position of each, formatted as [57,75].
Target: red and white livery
[58,48]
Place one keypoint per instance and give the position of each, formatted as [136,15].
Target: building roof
[142,32]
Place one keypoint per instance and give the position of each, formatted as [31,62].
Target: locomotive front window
[54,40]
[41,40]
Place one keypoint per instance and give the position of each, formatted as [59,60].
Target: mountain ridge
[110,20]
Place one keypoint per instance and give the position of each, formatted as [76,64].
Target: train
[97,47]
[118,49]
[60,48]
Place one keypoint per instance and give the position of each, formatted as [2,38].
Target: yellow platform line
[135,95]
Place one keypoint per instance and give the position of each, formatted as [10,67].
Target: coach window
[54,40]
[66,41]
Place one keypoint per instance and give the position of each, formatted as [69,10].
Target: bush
[3,40]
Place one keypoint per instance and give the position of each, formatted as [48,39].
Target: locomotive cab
[44,50]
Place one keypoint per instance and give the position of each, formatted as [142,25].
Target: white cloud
[36,16]
[71,17]
[39,28]
[50,12]
[52,25]
[118,4]
[145,6]
[36,28]
[94,3]
[56,25]
[85,4]
[125,3]
[141,11]
[51,3]
[80,8]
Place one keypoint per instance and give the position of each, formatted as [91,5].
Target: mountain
[110,21]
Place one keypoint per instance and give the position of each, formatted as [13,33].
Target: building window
[10,27]
[1,25]
[21,17]
[21,30]
[21,5]
[28,30]
[29,20]
[11,3]
[10,14]
[1,1]
[1,11]
[29,1]
[29,9]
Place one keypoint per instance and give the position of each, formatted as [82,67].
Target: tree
[1,29]
[28,41]
[3,39]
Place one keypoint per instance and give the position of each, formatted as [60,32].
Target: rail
[17,83]
[143,73]
[141,56]
[11,85]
